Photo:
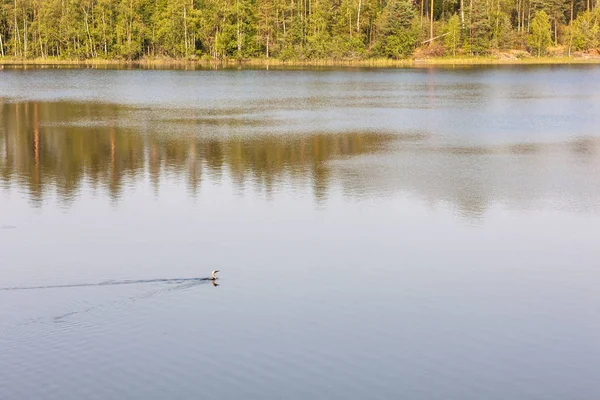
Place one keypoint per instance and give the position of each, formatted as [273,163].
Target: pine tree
[396,31]
[480,29]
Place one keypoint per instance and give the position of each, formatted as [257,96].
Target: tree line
[292,29]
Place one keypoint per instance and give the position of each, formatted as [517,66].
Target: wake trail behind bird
[108,283]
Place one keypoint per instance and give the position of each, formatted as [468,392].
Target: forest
[295,29]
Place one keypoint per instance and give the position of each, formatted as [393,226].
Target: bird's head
[214,274]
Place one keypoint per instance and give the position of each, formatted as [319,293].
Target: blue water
[413,233]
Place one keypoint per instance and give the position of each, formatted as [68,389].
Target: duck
[213,275]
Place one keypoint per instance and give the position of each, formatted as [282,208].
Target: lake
[418,233]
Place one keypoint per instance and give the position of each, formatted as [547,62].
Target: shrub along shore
[166,63]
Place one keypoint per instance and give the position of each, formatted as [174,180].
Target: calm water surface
[381,234]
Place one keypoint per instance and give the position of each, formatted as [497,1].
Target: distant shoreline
[261,62]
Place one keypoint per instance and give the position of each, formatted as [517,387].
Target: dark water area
[414,233]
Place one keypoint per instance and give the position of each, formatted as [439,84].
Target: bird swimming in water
[213,279]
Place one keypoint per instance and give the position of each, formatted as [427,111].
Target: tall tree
[397,33]
[452,38]
[540,37]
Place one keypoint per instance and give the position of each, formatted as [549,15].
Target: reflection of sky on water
[421,234]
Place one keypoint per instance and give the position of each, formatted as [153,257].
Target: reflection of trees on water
[45,146]
[68,147]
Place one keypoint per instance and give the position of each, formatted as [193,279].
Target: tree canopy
[289,29]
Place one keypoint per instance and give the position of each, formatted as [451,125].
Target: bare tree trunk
[239,36]
[87,29]
[522,15]
[104,34]
[39,33]
[518,15]
[60,27]
[16,37]
[192,34]
[518,4]
[358,16]
[471,27]
[1,46]
[462,14]
[154,30]
[24,35]
[185,32]
[431,26]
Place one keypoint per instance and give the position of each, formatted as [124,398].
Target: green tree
[287,29]
[541,33]
[129,29]
[480,28]
[452,38]
[397,32]
[501,30]
[585,30]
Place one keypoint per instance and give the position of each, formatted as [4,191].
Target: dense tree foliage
[540,39]
[289,29]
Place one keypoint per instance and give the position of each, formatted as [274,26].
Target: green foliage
[501,34]
[541,35]
[585,31]
[452,38]
[319,45]
[481,30]
[397,30]
[289,30]
[288,53]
